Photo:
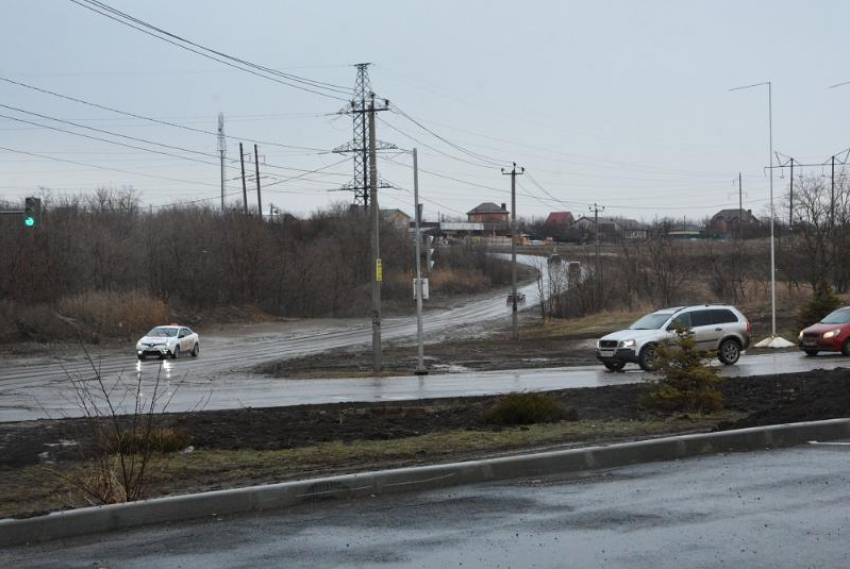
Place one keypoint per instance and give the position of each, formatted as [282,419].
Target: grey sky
[621,103]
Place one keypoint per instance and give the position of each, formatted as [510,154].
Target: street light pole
[773,341]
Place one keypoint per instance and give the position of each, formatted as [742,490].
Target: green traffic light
[29,221]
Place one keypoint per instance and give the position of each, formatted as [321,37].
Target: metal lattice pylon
[359,145]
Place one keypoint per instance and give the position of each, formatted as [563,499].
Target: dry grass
[33,489]
[114,314]
[454,281]
[587,326]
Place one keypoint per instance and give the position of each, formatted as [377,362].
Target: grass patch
[527,409]
[591,326]
[161,440]
[34,490]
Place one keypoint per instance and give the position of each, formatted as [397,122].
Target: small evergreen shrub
[822,303]
[687,383]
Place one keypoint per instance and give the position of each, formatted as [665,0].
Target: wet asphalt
[786,508]
[50,386]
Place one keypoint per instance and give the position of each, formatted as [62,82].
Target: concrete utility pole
[244,188]
[514,315]
[740,207]
[257,170]
[377,268]
[791,199]
[417,212]
[222,151]
[596,208]
[832,197]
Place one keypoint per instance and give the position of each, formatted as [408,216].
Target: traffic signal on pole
[32,212]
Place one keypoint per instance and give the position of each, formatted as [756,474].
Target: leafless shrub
[126,445]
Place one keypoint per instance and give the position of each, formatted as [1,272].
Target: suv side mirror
[182,335]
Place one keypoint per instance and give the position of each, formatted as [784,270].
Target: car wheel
[614,366]
[811,353]
[648,357]
[142,357]
[195,349]
[176,353]
[729,352]
[845,347]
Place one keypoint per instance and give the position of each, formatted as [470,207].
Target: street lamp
[773,341]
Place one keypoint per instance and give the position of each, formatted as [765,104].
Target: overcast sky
[624,104]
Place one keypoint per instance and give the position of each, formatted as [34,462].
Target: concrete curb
[258,498]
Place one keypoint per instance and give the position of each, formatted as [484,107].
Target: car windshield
[163,331]
[652,321]
[838,317]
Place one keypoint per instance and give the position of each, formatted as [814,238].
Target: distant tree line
[196,255]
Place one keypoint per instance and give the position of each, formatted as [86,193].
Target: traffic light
[32,212]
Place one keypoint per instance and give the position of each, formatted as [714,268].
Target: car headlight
[831,334]
[627,344]
[800,337]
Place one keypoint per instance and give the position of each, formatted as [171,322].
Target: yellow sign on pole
[379,271]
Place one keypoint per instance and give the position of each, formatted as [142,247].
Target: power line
[481,157]
[150,119]
[288,79]
[135,138]
[97,167]
[426,145]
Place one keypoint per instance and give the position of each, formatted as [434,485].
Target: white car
[172,340]
[718,328]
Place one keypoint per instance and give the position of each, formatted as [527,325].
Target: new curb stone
[273,496]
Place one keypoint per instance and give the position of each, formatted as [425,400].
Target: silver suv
[716,327]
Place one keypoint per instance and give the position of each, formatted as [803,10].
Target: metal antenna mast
[222,151]
[359,145]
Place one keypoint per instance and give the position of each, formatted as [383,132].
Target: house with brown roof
[496,219]
[731,220]
[488,212]
[559,218]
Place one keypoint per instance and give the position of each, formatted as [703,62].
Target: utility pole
[791,200]
[244,188]
[377,266]
[417,209]
[596,208]
[222,151]
[740,207]
[514,314]
[257,173]
[832,197]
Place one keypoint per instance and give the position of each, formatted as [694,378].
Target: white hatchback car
[171,340]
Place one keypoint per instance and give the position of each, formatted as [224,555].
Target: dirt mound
[789,398]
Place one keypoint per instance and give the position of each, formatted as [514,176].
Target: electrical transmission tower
[359,145]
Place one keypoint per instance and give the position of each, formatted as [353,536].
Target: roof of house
[621,222]
[389,212]
[557,217]
[734,213]
[487,207]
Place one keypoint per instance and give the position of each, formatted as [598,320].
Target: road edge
[100,519]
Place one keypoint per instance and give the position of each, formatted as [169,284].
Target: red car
[832,334]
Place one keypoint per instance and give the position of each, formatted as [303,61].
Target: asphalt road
[785,508]
[187,388]
[41,386]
